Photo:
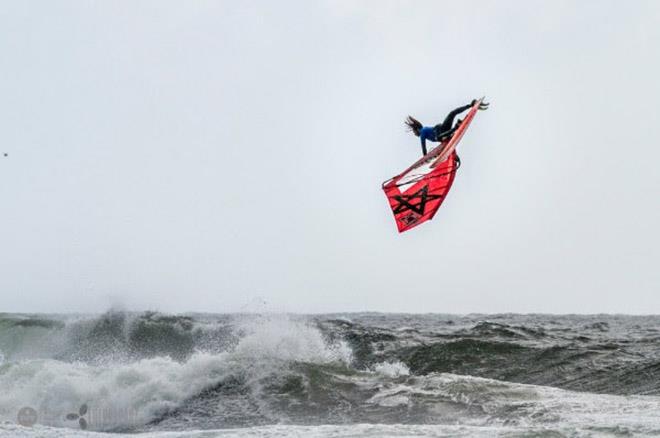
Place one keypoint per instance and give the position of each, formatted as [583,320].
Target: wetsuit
[441,131]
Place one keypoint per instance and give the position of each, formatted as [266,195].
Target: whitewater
[351,375]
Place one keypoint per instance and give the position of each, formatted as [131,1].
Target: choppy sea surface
[340,375]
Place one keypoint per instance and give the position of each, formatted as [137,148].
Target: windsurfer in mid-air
[442,131]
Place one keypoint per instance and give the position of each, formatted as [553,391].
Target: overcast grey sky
[211,155]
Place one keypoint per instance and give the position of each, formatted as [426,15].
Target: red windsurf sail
[415,195]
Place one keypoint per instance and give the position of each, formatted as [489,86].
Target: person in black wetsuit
[442,131]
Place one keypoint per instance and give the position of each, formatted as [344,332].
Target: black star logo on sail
[406,201]
[410,218]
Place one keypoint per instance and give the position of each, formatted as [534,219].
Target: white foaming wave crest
[283,338]
[459,389]
[138,390]
[391,369]
[524,405]
[148,388]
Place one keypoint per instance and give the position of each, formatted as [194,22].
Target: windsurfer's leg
[449,120]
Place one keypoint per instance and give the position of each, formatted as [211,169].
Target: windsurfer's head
[414,125]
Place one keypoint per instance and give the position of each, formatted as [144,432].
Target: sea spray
[109,380]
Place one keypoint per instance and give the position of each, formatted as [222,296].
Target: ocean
[337,375]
